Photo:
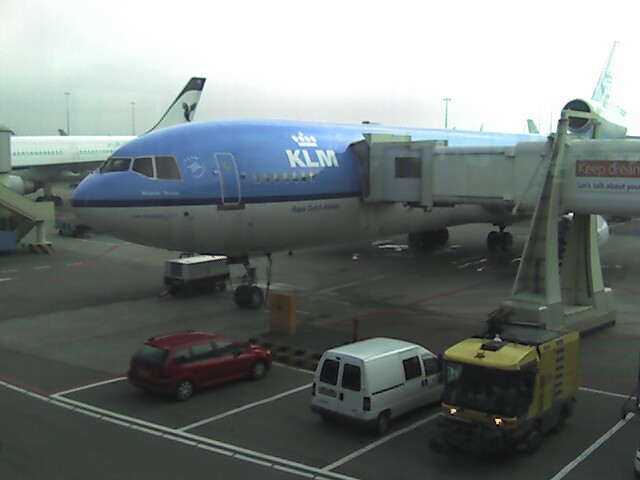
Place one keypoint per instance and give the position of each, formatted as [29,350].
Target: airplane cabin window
[267,178]
[143,166]
[276,177]
[116,165]
[285,177]
[167,168]
[304,176]
[312,176]
[256,178]
[295,176]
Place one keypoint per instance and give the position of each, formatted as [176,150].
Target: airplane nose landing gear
[248,294]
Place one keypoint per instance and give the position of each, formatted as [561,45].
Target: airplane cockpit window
[144,166]
[167,168]
[116,165]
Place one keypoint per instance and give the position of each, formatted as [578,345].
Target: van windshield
[329,372]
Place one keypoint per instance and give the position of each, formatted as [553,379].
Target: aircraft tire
[255,297]
[493,239]
[506,240]
[240,296]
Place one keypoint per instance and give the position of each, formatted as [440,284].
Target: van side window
[430,365]
[351,377]
[411,368]
[329,372]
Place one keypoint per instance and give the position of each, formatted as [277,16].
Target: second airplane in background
[39,161]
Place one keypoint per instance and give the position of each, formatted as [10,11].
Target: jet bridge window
[408,167]
[116,165]
[167,168]
[144,166]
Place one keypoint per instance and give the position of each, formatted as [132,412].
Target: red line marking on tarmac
[30,388]
[73,270]
[376,313]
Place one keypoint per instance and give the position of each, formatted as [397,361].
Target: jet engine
[17,184]
[611,119]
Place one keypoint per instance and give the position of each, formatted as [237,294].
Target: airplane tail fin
[532,127]
[602,91]
[184,106]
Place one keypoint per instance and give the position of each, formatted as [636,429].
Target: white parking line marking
[377,443]
[602,392]
[86,387]
[242,408]
[294,472]
[594,446]
[185,438]
[8,279]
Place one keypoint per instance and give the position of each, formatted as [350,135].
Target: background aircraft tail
[602,92]
[184,106]
[532,127]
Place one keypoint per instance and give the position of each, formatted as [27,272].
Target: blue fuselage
[229,168]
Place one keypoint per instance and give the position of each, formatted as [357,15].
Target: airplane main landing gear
[499,240]
[428,239]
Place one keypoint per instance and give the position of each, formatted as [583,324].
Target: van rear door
[350,400]
[327,384]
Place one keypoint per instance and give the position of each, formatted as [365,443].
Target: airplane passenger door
[227,171]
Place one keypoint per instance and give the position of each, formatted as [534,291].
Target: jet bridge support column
[568,295]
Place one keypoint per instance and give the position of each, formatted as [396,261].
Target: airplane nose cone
[90,201]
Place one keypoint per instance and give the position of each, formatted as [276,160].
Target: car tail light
[366,404]
[313,389]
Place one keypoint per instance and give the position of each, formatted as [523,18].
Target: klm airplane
[242,188]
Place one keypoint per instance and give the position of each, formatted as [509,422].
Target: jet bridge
[542,180]
[21,218]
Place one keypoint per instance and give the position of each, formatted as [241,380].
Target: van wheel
[258,371]
[382,424]
[184,390]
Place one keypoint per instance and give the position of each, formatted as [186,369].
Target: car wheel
[184,390]
[258,371]
[382,424]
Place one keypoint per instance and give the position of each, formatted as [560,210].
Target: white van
[375,380]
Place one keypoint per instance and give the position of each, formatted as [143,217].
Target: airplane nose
[90,199]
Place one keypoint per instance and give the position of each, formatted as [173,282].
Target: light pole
[446,111]
[66,99]
[133,118]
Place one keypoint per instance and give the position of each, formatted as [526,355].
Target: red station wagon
[180,363]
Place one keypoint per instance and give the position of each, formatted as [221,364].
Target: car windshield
[489,390]
[151,356]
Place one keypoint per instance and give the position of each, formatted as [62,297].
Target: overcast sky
[387,61]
